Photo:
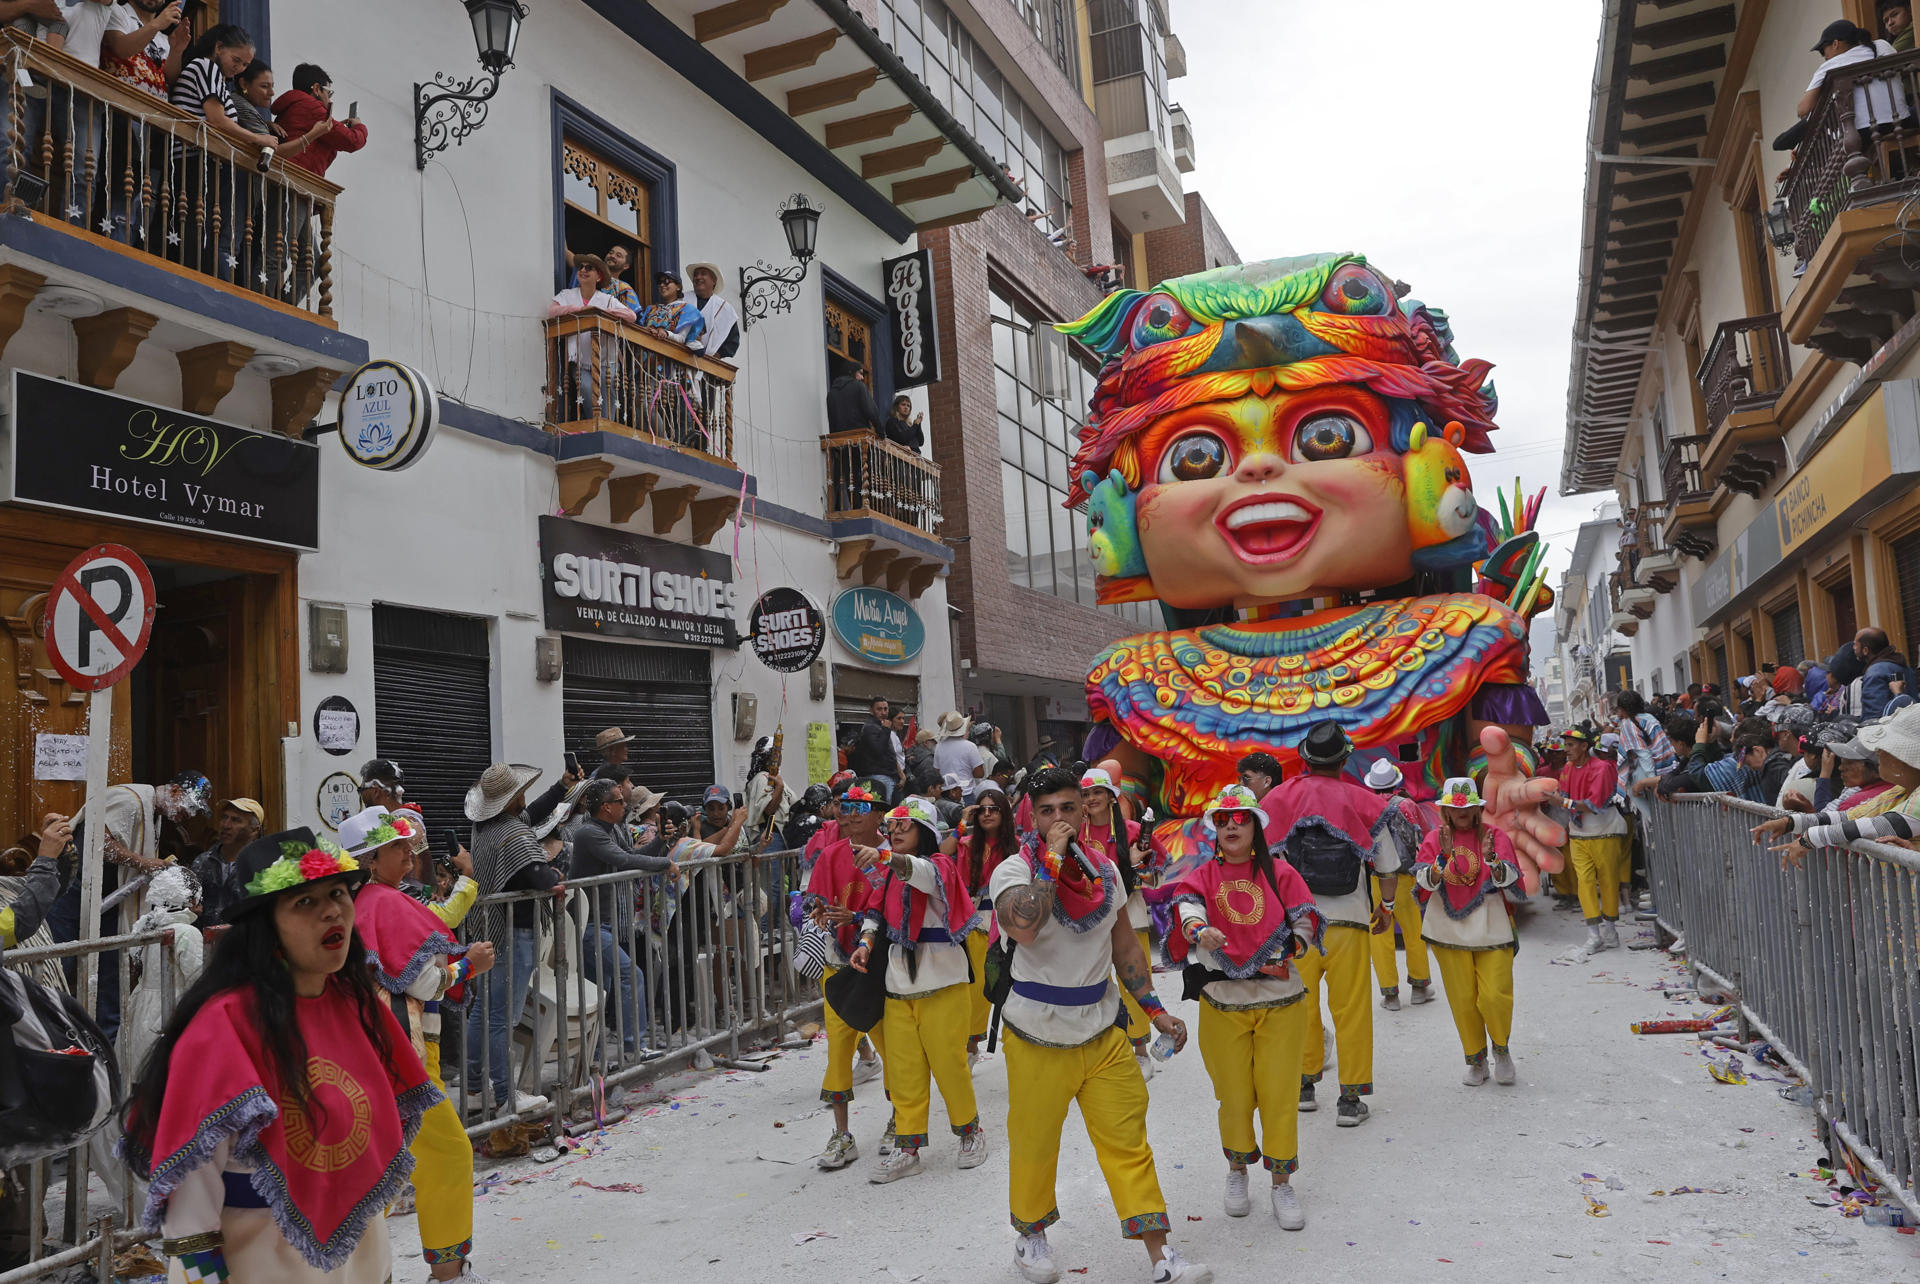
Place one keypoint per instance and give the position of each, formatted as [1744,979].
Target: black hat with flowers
[268,866]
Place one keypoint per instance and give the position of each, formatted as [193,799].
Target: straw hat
[1459,793]
[609,738]
[1384,775]
[1897,736]
[1234,798]
[953,725]
[499,785]
[719,277]
[643,801]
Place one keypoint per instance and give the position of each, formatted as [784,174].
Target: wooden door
[196,702]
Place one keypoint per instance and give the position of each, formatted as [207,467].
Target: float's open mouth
[1267,529]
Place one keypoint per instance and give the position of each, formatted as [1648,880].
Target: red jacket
[297,112]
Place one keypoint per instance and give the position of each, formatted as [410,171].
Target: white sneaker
[1390,1000]
[865,1068]
[530,1105]
[1034,1258]
[1610,933]
[1175,1267]
[470,1275]
[841,1150]
[973,1149]
[1238,1202]
[1146,1065]
[1422,994]
[1679,946]
[901,1163]
[1286,1207]
[1595,942]
[1503,1068]
[1476,1072]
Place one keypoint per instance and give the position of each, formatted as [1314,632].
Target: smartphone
[739,800]
[573,763]
[449,844]
[353,110]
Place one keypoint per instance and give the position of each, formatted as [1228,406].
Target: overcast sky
[1446,142]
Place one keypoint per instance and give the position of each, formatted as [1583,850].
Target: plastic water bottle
[1163,1047]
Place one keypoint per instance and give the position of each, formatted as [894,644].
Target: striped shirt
[198,81]
[1834,827]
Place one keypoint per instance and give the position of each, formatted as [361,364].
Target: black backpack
[1326,861]
[58,1077]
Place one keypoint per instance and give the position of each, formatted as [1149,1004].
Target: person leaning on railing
[1896,744]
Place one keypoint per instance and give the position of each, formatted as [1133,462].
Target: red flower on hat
[318,864]
[860,793]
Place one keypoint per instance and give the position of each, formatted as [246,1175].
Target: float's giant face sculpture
[1274,431]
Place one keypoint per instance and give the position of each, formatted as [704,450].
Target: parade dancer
[839,892]
[248,1181]
[986,839]
[1100,835]
[1599,843]
[420,966]
[1332,830]
[1063,1045]
[1243,915]
[926,913]
[1385,779]
[1462,868]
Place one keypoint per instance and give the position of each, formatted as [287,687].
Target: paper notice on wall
[820,755]
[57,757]
[337,729]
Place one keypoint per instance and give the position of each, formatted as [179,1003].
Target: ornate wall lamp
[459,107]
[765,289]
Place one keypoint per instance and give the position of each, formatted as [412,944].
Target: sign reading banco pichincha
[388,414]
[82,450]
[787,629]
[618,584]
[878,626]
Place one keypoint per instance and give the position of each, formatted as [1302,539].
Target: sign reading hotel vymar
[916,341]
[83,450]
[618,584]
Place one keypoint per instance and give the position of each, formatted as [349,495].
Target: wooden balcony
[1741,377]
[891,496]
[1690,522]
[1856,167]
[1658,564]
[1622,621]
[103,161]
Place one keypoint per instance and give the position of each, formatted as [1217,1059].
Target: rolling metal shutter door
[1906,566]
[662,696]
[432,706]
[1789,645]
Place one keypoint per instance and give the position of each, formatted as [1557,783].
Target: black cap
[382,771]
[667,274]
[816,796]
[1326,745]
[1838,29]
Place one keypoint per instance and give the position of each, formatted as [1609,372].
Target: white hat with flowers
[374,828]
[1099,778]
[1235,798]
[1459,792]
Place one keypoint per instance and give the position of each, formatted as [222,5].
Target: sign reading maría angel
[617,584]
[916,342]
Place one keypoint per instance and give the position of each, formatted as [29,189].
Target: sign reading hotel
[916,342]
[618,584]
[82,450]
[878,626]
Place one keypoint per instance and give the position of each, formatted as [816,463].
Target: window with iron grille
[1789,645]
[1906,565]
[1127,39]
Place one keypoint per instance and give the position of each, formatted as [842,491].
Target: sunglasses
[989,809]
[857,806]
[1233,816]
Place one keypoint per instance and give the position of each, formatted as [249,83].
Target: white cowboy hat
[556,818]
[362,832]
[1897,737]
[1459,793]
[1384,775]
[719,277]
[953,725]
[499,785]
[1232,798]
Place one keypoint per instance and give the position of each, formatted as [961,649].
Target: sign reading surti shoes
[617,584]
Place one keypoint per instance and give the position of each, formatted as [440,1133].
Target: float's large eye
[1159,319]
[1330,437]
[1356,290]
[1194,457]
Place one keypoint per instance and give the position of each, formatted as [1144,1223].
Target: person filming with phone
[309,104]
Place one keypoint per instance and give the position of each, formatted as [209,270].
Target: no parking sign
[100,616]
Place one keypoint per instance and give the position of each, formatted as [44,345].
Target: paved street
[1442,1182]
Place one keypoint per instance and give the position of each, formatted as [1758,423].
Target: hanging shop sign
[916,340]
[388,414]
[879,626]
[82,450]
[618,584]
[787,629]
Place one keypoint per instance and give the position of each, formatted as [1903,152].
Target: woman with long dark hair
[1243,917]
[986,839]
[276,1149]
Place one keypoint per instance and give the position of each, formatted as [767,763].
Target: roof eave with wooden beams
[819,63]
[1656,94]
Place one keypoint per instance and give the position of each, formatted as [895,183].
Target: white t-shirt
[1875,102]
[1058,955]
[939,963]
[88,23]
[959,756]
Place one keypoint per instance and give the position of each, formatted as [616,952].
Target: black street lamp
[460,108]
[765,289]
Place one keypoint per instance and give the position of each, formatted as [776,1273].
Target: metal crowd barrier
[1823,962]
[710,959]
[81,1238]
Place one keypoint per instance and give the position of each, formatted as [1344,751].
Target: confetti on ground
[618,1187]
[1726,1071]
[807,1237]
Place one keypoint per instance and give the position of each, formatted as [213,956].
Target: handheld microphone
[1087,866]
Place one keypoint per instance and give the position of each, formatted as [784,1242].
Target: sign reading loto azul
[388,413]
[916,342]
[83,450]
[617,584]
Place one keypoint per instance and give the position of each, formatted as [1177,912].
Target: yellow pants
[981,1011]
[1103,1078]
[1345,967]
[443,1176]
[1563,884]
[843,1042]
[1406,912]
[927,1044]
[1480,991]
[1600,866]
[1138,1026]
[1250,1057]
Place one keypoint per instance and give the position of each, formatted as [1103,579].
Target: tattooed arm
[1023,909]
[1136,973]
